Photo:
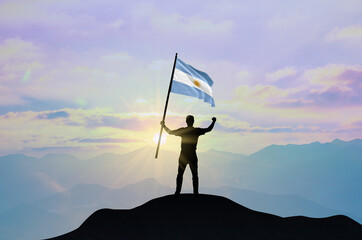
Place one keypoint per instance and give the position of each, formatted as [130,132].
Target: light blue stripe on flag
[190,70]
[191,82]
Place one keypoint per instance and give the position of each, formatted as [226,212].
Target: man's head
[190,120]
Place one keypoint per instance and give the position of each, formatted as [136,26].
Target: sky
[87,77]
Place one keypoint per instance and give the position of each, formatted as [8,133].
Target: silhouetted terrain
[207,217]
[65,211]
[315,180]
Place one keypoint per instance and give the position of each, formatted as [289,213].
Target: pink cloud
[331,86]
[260,129]
[106,140]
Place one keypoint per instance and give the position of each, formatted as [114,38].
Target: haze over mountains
[313,179]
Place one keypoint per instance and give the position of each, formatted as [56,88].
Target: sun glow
[163,138]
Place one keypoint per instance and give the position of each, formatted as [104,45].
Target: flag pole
[166,104]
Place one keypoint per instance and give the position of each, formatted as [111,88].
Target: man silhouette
[188,155]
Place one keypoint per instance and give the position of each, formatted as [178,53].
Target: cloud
[291,103]
[259,129]
[134,124]
[75,130]
[189,26]
[106,118]
[53,115]
[334,96]
[335,85]
[96,82]
[16,49]
[19,61]
[105,140]
[286,72]
[357,125]
[84,151]
[350,33]
[334,75]
[259,94]
[229,124]
[331,86]
[57,148]
[75,84]
[221,128]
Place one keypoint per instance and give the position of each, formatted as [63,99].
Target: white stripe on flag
[191,81]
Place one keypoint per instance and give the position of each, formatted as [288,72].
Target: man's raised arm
[211,125]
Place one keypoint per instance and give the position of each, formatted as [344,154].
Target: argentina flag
[192,82]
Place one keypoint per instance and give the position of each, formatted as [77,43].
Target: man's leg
[181,169]
[195,177]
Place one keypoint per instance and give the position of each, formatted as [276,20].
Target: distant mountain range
[66,210]
[328,175]
[207,217]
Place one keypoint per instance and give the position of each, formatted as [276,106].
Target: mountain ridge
[335,141]
[206,217]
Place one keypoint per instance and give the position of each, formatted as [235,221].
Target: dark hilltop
[207,217]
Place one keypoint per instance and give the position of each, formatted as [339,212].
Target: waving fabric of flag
[192,82]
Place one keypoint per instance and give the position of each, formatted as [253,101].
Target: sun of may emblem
[197,83]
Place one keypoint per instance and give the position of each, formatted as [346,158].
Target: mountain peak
[351,142]
[206,217]
[337,140]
